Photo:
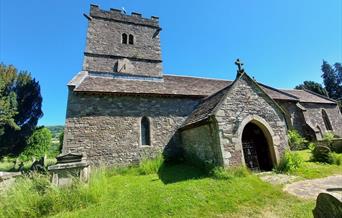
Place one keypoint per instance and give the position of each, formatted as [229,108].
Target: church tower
[122,45]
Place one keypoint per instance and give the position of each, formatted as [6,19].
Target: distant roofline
[198,77]
[313,93]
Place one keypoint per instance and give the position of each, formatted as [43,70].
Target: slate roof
[171,85]
[205,107]
[307,96]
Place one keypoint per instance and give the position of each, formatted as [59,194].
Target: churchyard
[159,189]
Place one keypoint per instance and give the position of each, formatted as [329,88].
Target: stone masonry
[107,128]
[104,47]
[122,84]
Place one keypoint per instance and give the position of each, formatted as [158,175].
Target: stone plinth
[69,167]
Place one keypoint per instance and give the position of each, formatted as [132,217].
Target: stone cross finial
[239,64]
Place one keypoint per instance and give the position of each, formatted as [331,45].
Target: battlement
[119,16]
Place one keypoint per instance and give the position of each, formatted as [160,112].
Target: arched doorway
[256,148]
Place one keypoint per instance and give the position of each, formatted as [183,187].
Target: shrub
[150,166]
[322,154]
[38,143]
[312,146]
[328,138]
[230,173]
[296,141]
[289,162]
[336,158]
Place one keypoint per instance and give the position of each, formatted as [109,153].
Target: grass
[312,170]
[170,190]
[7,164]
[157,189]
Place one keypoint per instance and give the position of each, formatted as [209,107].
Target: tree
[28,108]
[8,108]
[38,143]
[313,86]
[330,80]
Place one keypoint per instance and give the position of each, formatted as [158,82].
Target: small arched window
[124,38]
[131,39]
[326,120]
[145,131]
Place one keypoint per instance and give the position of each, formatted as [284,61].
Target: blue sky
[282,43]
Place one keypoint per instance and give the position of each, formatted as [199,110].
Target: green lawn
[168,190]
[184,191]
[311,170]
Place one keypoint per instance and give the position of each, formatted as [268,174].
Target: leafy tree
[330,80]
[61,139]
[26,92]
[8,108]
[313,86]
[38,143]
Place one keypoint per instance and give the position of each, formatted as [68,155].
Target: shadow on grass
[176,172]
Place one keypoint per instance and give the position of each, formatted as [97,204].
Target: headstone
[327,206]
[69,167]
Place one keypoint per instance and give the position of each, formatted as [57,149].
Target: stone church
[122,108]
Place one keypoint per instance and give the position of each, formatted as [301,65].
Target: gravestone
[69,167]
[327,206]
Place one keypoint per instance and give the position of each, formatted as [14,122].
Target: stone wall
[313,115]
[244,103]
[104,42]
[201,145]
[107,128]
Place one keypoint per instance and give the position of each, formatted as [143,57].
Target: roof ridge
[319,95]
[197,77]
[278,90]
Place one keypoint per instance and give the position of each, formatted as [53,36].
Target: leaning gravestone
[327,206]
[69,167]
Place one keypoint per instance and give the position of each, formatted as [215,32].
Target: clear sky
[282,43]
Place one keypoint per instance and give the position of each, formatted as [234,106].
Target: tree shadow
[176,172]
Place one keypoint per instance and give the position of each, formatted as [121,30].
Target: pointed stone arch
[271,139]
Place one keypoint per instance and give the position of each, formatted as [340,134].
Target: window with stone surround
[124,38]
[145,132]
[326,120]
[131,39]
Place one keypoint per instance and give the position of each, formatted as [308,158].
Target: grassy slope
[184,191]
[311,170]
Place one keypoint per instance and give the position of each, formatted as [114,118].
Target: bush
[296,141]
[38,143]
[328,138]
[230,173]
[322,154]
[336,158]
[289,162]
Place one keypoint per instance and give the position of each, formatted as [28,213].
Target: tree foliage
[8,107]
[38,143]
[314,87]
[24,94]
[332,79]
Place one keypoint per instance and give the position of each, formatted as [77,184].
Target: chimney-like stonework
[122,44]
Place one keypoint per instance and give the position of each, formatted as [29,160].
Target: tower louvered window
[131,39]
[124,38]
